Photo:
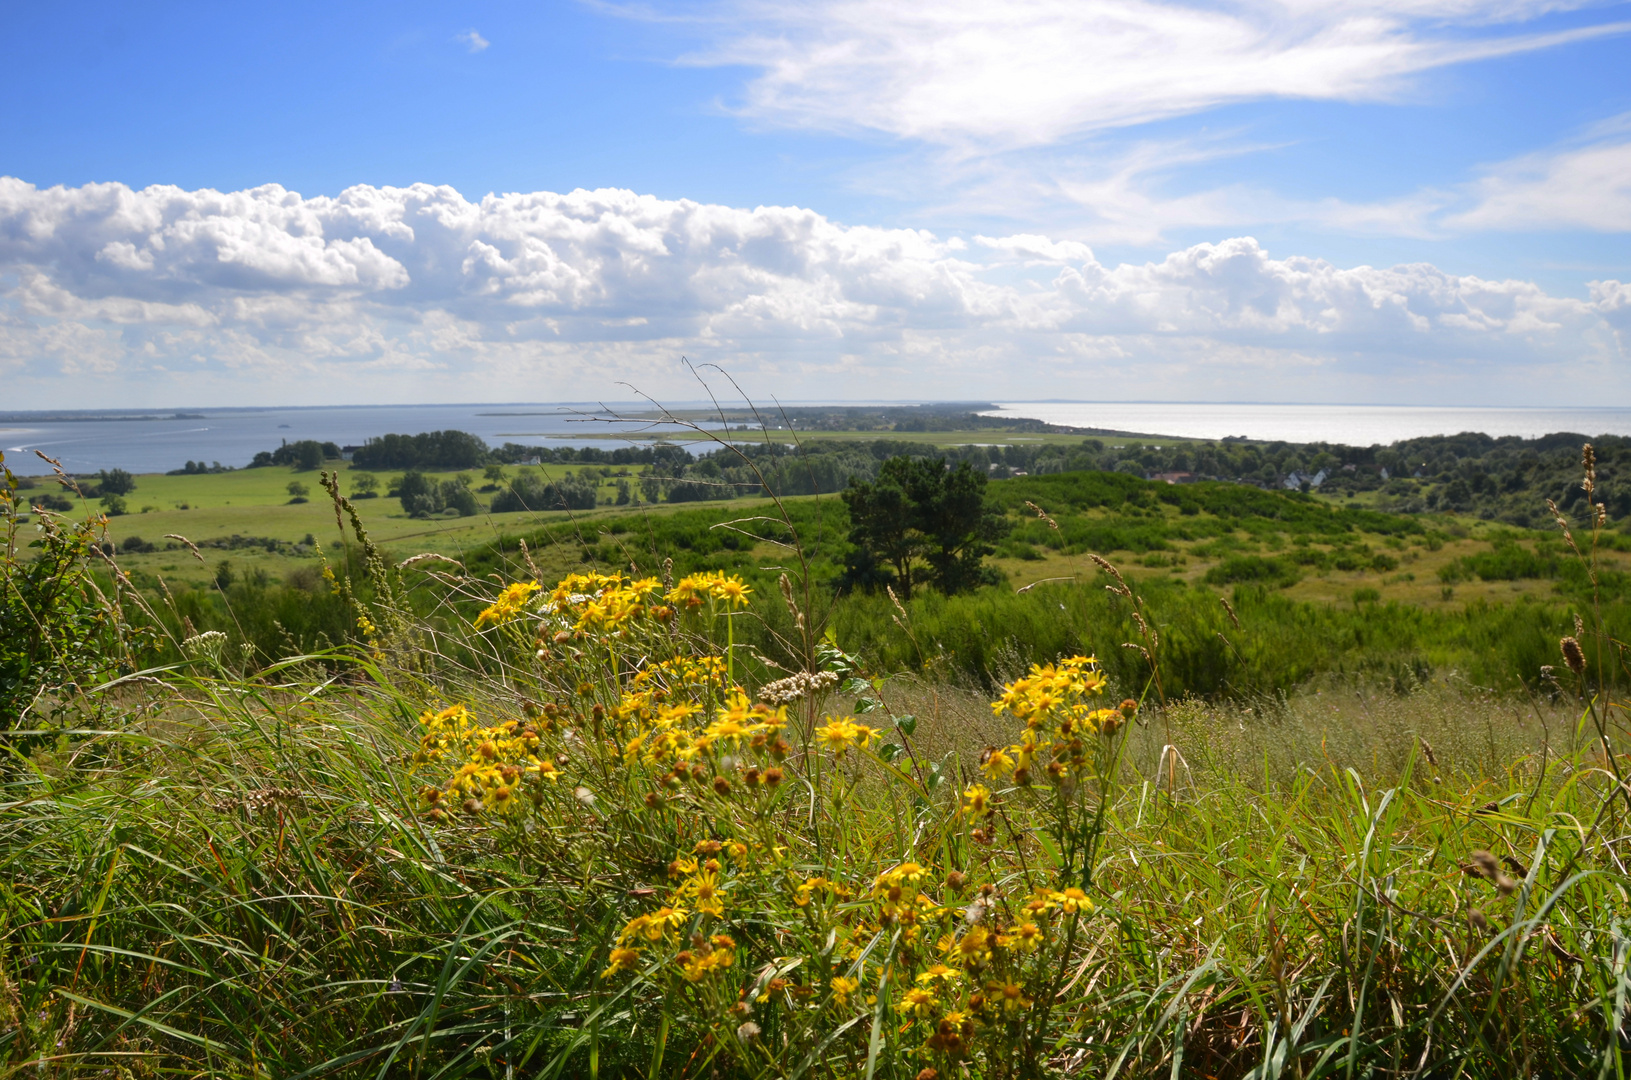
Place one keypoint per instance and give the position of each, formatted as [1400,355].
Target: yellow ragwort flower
[509,604]
[842,733]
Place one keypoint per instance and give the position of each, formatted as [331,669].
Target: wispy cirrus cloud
[982,76]
[1582,184]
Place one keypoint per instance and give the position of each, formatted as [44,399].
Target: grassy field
[254,503]
[505,839]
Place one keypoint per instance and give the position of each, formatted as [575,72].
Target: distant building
[1384,472]
[347,451]
[1317,479]
[1174,477]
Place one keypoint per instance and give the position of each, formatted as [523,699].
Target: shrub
[531,492]
[1254,570]
[56,627]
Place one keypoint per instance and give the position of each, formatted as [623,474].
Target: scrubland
[610,803]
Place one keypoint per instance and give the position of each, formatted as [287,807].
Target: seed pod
[1476,920]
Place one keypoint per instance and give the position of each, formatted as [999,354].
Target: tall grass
[270,872]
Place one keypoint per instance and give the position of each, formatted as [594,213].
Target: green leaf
[889,751]
[907,724]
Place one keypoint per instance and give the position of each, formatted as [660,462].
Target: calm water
[1351,425]
[145,441]
[149,441]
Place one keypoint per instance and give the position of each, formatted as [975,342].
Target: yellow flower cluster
[493,761]
[841,733]
[695,589]
[700,889]
[595,603]
[509,605]
[1054,701]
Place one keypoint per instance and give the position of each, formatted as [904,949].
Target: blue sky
[1401,200]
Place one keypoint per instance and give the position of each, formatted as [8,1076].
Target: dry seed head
[1427,751]
[1505,885]
[1483,865]
[1588,462]
[890,589]
[1043,514]
[1230,611]
[1573,656]
[1476,920]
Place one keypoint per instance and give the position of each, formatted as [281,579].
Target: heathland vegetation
[642,789]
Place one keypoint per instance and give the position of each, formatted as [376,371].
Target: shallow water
[147,441]
[1351,425]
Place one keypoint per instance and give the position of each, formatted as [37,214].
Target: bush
[113,505]
[531,492]
[56,627]
[1254,570]
[364,486]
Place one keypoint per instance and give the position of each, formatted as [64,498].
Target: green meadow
[1339,796]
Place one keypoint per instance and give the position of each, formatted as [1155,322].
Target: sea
[1348,425]
[148,441]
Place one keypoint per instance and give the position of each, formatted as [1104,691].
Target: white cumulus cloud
[472,41]
[414,292]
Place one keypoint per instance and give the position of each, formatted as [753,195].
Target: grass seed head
[1573,655]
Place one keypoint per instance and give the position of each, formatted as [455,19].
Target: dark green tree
[115,482]
[920,523]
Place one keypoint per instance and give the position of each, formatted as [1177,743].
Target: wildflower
[1025,937]
[509,604]
[976,800]
[653,926]
[917,1001]
[732,591]
[1074,900]
[622,959]
[841,734]
[995,762]
[842,988]
[939,972]
[1012,997]
[696,967]
[974,947]
[801,895]
[704,888]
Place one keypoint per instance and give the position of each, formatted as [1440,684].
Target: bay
[149,441]
[1350,425]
